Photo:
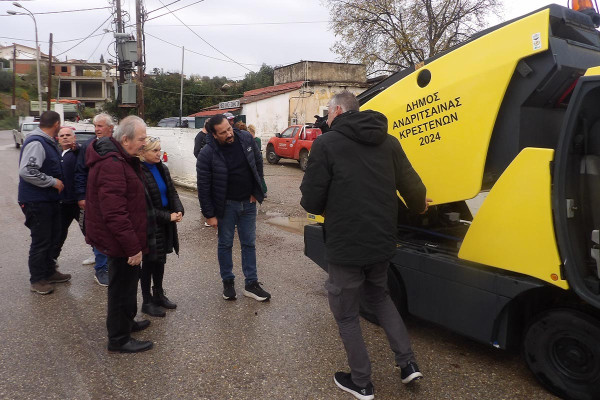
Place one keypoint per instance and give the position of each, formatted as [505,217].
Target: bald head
[66,138]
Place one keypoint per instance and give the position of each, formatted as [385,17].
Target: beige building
[90,83]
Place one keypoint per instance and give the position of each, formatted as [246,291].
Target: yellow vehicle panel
[315,218]
[593,71]
[514,228]
[445,131]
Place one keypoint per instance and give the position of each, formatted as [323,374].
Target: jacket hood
[104,148]
[366,127]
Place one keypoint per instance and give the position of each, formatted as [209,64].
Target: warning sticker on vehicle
[536,39]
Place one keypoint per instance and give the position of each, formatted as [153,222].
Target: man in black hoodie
[351,178]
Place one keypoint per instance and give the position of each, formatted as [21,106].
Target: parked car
[173,122]
[20,134]
[83,136]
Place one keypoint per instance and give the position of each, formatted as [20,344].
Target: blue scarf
[162,186]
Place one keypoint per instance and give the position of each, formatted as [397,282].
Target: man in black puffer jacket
[351,178]
[229,171]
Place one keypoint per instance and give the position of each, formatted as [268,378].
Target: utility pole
[14,83]
[181,94]
[49,93]
[120,30]
[140,63]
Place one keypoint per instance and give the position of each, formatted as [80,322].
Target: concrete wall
[314,101]
[269,116]
[179,145]
[321,72]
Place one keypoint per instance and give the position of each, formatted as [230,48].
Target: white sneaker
[206,224]
[89,261]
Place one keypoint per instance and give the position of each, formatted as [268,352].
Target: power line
[196,95]
[170,12]
[64,11]
[195,52]
[88,36]
[252,23]
[201,38]
[156,9]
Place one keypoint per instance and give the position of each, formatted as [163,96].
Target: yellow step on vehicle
[504,130]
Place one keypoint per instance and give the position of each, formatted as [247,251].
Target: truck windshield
[289,132]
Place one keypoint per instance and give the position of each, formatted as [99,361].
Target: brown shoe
[42,287]
[57,277]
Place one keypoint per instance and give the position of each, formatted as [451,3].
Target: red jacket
[115,207]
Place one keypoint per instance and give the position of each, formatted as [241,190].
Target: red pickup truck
[293,143]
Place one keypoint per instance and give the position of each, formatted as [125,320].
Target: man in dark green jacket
[352,176]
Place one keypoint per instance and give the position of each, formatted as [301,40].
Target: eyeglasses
[152,139]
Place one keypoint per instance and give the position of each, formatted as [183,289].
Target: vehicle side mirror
[278,134]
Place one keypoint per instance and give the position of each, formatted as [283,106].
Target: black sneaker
[343,380]
[256,292]
[229,290]
[410,373]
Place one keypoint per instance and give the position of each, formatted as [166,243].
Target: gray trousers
[344,287]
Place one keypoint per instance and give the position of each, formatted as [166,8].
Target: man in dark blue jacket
[40,184]
[103,126]
[229,171]
[69,210]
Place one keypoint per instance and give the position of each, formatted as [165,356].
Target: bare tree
[390,35]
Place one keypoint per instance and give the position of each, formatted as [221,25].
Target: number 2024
[429,138]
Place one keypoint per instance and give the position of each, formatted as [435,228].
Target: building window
[63,69]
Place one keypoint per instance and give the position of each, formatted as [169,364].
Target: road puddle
[289,224]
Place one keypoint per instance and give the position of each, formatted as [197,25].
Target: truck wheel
[397,294]
[272,158]
[17,144]
[562,349]
[303,160]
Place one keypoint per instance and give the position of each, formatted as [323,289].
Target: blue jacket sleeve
[204,182]
[81,172]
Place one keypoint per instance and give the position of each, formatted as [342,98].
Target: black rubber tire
[562,349]
[397,294]
[17,144]
[303,159]
[272,157]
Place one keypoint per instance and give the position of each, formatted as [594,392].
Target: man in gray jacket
[352,176]
[40,184]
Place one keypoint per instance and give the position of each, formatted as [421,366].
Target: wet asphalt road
[55,346]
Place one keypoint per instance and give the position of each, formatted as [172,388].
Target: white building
[301,91]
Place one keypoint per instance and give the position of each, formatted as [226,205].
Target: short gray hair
[106,117]
[346,100]
[127,128]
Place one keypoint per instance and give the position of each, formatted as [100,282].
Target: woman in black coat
[167,211]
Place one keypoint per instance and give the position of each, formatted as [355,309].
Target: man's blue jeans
[101,260]
[242,214]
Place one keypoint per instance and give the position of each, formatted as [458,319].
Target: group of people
[131,210]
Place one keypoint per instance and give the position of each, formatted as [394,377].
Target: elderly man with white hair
[116,224]
[103,126]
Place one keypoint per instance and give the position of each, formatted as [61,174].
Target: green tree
[5,81]
[256,80]
[390,35]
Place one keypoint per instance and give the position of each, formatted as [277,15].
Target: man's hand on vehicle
[427,201]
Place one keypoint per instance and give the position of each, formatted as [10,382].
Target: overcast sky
[275,32]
